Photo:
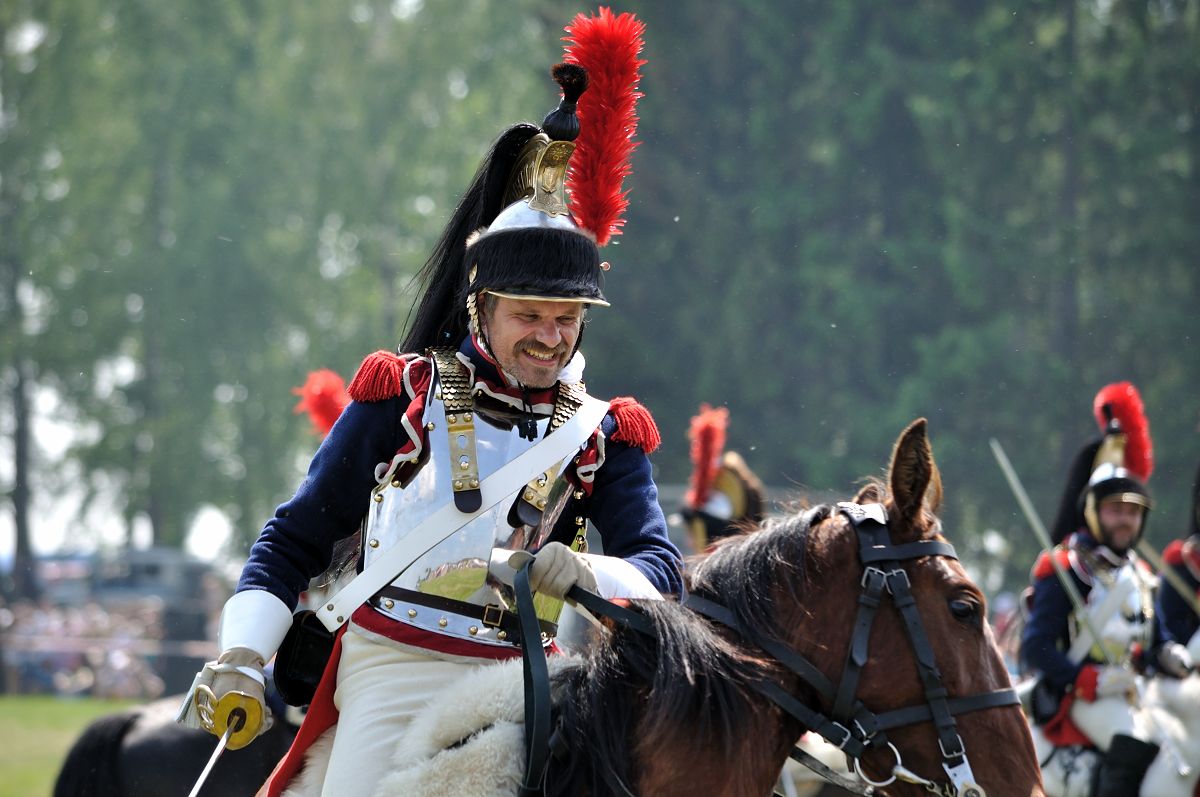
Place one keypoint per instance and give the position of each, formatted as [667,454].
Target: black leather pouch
[302,658]
[1045,701]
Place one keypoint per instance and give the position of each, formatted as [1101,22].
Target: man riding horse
[475,444]
[1088,682]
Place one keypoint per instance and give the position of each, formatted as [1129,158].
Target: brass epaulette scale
[537,493]
[455,392]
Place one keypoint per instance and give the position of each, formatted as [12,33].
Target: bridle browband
[850,726]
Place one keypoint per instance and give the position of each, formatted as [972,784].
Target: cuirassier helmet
[1123,459]
[546,197]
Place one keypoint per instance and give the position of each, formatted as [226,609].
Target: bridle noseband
[850,726]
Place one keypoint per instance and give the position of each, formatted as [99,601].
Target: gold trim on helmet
[540,175]
[533,298]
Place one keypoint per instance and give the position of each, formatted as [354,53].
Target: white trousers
[1105,717]
[379,691]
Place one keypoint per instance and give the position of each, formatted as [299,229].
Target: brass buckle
[493,615]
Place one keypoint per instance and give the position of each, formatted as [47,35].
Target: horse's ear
[911,473]
[933,496]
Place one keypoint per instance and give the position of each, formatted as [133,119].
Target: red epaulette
[635,425]
[380,377]
[1044,567]
[1189,554]
[1173,555]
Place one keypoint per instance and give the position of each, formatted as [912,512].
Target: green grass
[36,732]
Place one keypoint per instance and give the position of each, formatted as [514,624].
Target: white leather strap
[444,522]
[1100,615]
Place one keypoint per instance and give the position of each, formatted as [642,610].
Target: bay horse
[784,629]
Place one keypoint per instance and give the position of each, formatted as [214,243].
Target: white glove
[1115,682]
[1174,660]
[557,568]
[229,691]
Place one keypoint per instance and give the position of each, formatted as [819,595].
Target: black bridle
[850,726]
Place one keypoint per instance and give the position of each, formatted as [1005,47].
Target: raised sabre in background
[1177,583]
[1044,538]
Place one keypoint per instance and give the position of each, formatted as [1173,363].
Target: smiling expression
[532,339]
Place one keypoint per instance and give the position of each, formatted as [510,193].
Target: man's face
[533,339]
[1120,521]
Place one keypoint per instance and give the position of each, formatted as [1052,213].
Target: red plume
[607,46]
[1125,404]
[707,434]
[323,396]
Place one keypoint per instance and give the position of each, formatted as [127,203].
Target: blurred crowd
[109,652]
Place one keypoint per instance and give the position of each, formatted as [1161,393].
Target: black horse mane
[687,684]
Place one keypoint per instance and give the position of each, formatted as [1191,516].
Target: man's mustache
[537,348]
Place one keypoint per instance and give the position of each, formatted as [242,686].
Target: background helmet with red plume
[1114,467]
[723,493]
[516,232]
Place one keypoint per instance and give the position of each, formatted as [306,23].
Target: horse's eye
[964,609]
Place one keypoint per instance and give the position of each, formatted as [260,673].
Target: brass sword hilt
[237,710]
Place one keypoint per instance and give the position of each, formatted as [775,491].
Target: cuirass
[465,566]
[1133,622]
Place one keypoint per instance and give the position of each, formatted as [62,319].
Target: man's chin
[540,383]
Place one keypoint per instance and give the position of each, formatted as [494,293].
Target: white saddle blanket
[469,741]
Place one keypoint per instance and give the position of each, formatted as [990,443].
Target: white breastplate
[467,566]
[1133,621]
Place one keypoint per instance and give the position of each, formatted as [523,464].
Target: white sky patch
[210,531]
[55,523]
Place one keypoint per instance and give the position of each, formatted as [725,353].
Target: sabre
[238,719]
[1177,583]
[1044,538]
[1181,766]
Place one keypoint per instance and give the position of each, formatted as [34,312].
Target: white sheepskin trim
[311,779]
[254,619]
[490,763]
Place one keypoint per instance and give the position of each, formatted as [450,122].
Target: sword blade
[212,760]
[1018,489]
